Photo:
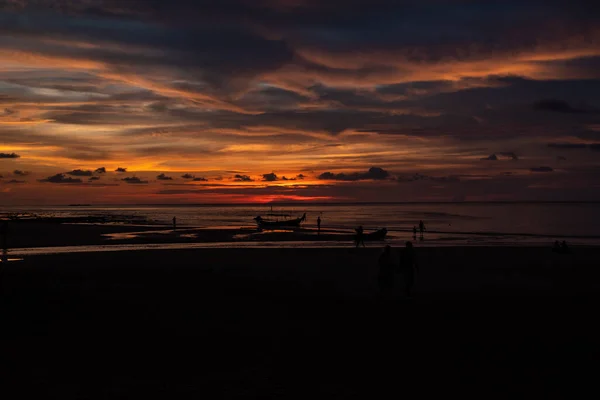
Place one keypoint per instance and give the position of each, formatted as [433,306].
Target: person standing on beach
[174,223]
[385,279]
[421,228]
[408,267]
[360,236]
[4,234]
[414,233]
[319,225]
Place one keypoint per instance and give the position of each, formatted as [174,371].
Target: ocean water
[446,223]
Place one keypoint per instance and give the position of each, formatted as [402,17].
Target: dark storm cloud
[61,178]
[18,172]
[574,146]
[101,170]
[163,177]
[374,173]
[272,177]
[134,180]
[509,154]
[121,169]
[541,169]
[9,155]
[560,106]
[492,157]
[242,178]
[79,172]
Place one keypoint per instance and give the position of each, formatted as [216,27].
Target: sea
[446,224]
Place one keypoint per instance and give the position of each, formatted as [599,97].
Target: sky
[246,101]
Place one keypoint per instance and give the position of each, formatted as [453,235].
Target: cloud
[134,180]
[14,181]
[561,158]
[541,169]
[272,177]
[200,179]
[163,177]
[94,178]
[121,169]
[60,178]
[243,178]
[9,155]
[80,172]
[18,172]
[492,157]
[187,176]
[508,154]
[574,146]
[559,106]
[374,173]
[300,176]
[101,170]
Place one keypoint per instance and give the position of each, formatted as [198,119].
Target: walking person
[174,223]
[319,225]
[414,233]
[408,267]
[360,236]
[421,228]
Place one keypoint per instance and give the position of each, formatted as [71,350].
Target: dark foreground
[298,324]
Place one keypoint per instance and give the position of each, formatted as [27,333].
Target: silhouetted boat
[274,224]
[377,235]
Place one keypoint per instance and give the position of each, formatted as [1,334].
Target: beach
[298,323]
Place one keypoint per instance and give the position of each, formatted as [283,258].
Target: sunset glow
[297,101]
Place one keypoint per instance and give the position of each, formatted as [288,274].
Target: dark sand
[299,323]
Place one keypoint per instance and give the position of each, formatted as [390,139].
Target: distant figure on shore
[561,248]
[556,248]
[385,279]
[408,267]
[360,236]
[414,233]
[421,228]
[319,225]
[174,223]
[4,234]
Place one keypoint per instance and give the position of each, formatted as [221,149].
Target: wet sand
[298,323]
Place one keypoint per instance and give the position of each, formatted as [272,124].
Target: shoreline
[27,236]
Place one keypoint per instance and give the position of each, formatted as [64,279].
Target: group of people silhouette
[561,248]
[406,268]
[421,229]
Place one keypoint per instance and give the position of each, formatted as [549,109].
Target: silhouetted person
[385,279]
[407,267]
[318,225]
[4,234]
[360,236]
[174,223]
[564,249]
[556,248]
[414,233]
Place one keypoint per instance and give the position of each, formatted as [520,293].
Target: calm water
[451,223]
